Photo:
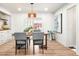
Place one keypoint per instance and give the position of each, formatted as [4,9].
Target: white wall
[77,30]
[63,38]
[20,21]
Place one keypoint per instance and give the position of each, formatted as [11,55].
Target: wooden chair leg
[15,51]
[25,51]
[15,48]
[42,49]
[33,49]
[19,51]
[29,42]
[27,45]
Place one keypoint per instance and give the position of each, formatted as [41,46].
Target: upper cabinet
[4,20]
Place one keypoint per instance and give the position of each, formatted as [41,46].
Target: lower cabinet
[5,36]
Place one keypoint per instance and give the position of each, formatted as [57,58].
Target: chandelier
[32,14]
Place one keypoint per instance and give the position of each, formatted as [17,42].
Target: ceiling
[38,7]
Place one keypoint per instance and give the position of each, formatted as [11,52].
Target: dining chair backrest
[20,36]
[36,30]
[38,35]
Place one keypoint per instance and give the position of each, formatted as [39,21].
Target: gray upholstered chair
[20,41]
[38,40]
[37,30]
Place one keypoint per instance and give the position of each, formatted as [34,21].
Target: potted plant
[28,30]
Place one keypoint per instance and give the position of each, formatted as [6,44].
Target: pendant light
[32,14]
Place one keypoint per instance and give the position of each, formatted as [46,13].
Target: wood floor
[54,49]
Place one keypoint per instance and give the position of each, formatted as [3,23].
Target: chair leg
[42,49]
[33,49]
[15,51]
[15,48]
[19,51]
[29,42]
[25,51]
[27,45]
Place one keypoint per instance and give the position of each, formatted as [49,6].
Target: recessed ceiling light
[19,9]
[46,9]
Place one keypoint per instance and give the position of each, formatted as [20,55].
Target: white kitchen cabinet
[5,36]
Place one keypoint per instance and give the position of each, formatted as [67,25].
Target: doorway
[71,27]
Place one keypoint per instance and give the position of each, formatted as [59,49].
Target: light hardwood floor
[54,49]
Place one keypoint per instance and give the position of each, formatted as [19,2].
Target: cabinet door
[1,37]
